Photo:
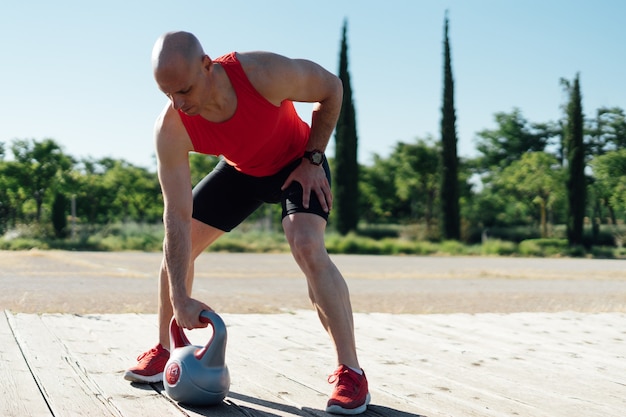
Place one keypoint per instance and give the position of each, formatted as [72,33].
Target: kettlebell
[197,375]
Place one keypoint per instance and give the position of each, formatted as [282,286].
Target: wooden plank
[93,339]
[18,389]
[92,372]
[292,348]
[395,384]
[244,398]
[418,365]
[109,338]
[65,391]
[444,377]
[296,345]
[548,343]
[455,381]
[311,334]
[481,360]
[283,361]
[100,348]
[257,389]
[255,378]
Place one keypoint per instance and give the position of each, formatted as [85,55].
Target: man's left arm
[299,80]
[326,108]
[326,111]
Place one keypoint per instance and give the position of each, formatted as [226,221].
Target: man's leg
[327,288]
[329,294]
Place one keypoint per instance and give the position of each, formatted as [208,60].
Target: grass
[253,239]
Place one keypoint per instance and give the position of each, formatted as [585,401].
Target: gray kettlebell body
[197,375]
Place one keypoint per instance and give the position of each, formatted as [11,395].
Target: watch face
[317,157]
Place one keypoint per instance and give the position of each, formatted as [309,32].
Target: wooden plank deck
[521,364]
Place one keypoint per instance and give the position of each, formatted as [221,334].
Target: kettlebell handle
[206,316]
[179,338]
[216,346]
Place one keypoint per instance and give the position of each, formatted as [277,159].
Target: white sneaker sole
[335,409]
[143,379]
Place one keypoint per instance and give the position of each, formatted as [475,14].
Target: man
[240,106]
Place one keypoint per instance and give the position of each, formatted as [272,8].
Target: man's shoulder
[267,73]
[168,119]
[169,131]
[257,58]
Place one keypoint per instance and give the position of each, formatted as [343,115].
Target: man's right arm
[173,146]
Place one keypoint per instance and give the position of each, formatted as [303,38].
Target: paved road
[123,282]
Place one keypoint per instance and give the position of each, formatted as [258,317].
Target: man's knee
[305,245]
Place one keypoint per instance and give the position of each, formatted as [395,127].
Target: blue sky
[79,72]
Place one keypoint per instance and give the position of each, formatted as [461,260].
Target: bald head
[174,49]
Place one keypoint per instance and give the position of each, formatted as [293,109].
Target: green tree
[575,151]
[109,190]
[40,166]
[134,193]
[486,208]
[346,167]
[609,172]
[607,131]
[513,137]
[378,200]
[449,191]
[417,179]
[11,195]
[535,178]
[403,188]
[93,197]
[200,165]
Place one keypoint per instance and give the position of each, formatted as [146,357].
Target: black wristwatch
[316,157]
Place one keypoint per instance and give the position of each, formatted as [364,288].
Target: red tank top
[260,138]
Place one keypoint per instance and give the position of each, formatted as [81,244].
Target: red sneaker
[150,366]
[351,395]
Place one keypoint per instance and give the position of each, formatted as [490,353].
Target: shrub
[620,253]
[498,247]
[352,243]
[253,241]
[397,247]
[543,247]
[577,251]
[425,248]
[530,248]
[22,243]
[451,247]
[120,237]
[250,239]
[604,252]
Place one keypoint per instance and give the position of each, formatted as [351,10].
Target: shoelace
[339,377]
[151,352]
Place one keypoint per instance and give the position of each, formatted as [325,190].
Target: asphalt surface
[126,282]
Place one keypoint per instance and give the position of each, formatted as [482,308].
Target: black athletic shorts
[226,197]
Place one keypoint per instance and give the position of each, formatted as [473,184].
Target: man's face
[182,83]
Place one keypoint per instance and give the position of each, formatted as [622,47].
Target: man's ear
[207,63]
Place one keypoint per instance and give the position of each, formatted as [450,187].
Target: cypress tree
[59,215]
[449,192]
[575,148]
[346,172]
